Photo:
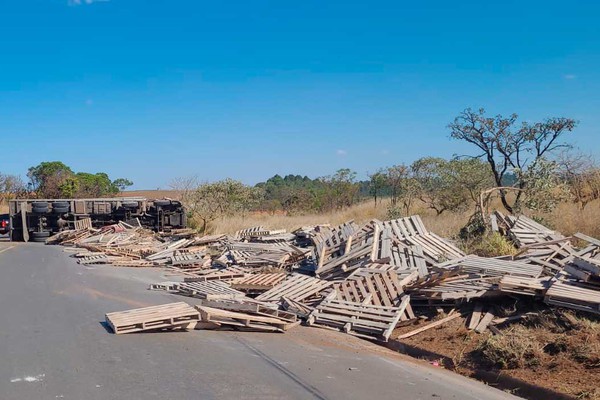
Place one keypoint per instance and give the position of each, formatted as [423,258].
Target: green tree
[47,177]
[377,184]
[94,185]
[508,148]
[340,189]
[451,185]
[209,201]
[122,183]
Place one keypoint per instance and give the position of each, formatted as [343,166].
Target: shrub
[514,349]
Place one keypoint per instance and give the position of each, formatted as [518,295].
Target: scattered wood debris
[362,280]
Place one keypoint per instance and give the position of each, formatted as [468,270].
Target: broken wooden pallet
[573,295]
[382,288]
[251,307]
[211,290]
[166,316]
[362,320]
[259,282]
[524,286]
[297,287]
[214,317]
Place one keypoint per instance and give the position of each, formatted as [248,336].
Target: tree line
[55,180]
[526,165]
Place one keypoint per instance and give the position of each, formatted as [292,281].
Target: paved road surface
[53,346]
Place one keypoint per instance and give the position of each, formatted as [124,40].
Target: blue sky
[152,90]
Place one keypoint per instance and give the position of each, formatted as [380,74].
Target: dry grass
[514,349]
[360,213]
[567,219]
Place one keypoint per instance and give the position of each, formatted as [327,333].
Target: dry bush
[490,245]
[515,348]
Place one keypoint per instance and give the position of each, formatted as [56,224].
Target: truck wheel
[130,204]
[60,207]
[162,203]
[39,237]
[39,207]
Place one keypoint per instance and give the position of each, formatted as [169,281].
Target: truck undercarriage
[37,219]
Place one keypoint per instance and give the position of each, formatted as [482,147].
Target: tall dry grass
[567,218]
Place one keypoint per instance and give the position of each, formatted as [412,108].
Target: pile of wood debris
[361,280]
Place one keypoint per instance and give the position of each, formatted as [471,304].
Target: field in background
[151,194]
[567,219]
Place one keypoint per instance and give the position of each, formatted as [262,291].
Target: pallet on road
[218,317]
[166,316]
[211,290]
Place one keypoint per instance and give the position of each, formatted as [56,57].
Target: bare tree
[11,187]
[510,149]
[582,175]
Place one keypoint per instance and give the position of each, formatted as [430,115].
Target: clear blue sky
[152,90]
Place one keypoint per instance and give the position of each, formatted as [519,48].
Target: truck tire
[60,207]
[130,204]
[162,203]
[39,207]
[63,206]
[39,237]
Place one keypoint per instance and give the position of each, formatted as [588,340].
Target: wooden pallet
[455,289]
[493,267]
[524,286]
[217,317]
[166,316]
[212,290]
[259,282]
[366,321]
[227,274]
[379,288]
[166,286]
[84,223]
[573,295]
[251,307]
[297,287]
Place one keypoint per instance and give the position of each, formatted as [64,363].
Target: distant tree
[582,175]
[377,184]
[47,178]
[209,201]
[11,187]
[54,179]
[402,187]
[340,189]
[436,186]
[121,184]
[507,148]
[94,185]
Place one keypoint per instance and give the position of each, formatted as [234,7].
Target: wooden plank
[485,321]
[429,326]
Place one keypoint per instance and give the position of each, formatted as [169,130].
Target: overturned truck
[38,219]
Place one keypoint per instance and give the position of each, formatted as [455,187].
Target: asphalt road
[53,345]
